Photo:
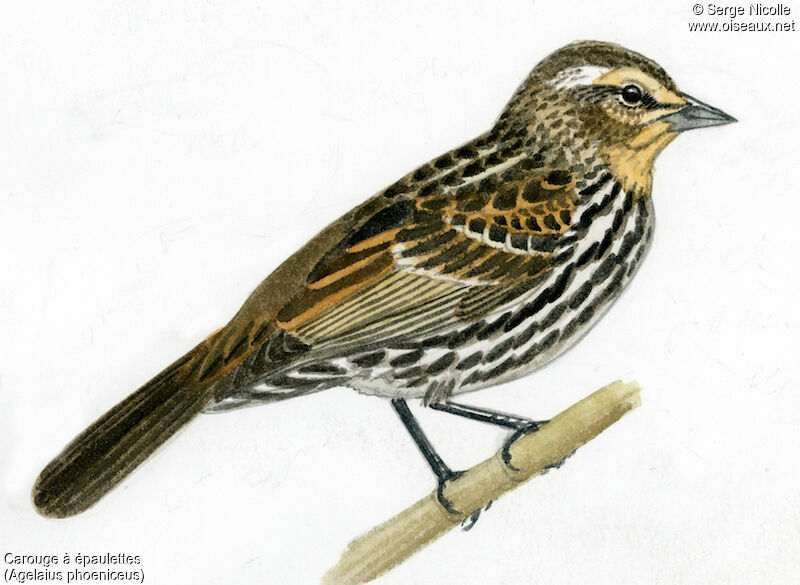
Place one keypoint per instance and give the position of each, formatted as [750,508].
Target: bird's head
[593,100]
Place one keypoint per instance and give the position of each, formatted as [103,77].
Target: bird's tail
[119,441]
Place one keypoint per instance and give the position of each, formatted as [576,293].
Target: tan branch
[394,541]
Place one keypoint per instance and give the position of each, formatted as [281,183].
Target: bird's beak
[696,114]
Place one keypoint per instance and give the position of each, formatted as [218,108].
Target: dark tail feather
[105,453]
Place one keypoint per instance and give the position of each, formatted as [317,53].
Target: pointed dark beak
[696,114]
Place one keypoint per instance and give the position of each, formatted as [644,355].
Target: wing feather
[422,263]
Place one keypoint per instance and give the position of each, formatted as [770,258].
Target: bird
[474,269]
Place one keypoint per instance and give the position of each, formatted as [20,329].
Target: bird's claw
[443,500]
[557,464]
[530,427]
[469,522]
[472,519]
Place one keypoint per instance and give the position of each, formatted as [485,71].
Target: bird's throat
[631,163]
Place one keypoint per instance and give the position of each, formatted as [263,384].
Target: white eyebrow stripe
[578,76]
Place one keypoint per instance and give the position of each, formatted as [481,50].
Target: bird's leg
[520,425]
[501,419]
[440,469]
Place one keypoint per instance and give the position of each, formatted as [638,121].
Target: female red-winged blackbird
[476,268]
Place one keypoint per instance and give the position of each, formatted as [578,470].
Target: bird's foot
[470,520]
[529,427]
[443,500]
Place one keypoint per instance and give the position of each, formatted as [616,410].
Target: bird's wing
[399,266]
[425,264]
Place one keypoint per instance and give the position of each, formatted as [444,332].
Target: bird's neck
[631,163]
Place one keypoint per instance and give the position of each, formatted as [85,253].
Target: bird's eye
[631,94]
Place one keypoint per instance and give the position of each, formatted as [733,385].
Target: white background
[157,160]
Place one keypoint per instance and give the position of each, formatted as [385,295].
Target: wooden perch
[394,541]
